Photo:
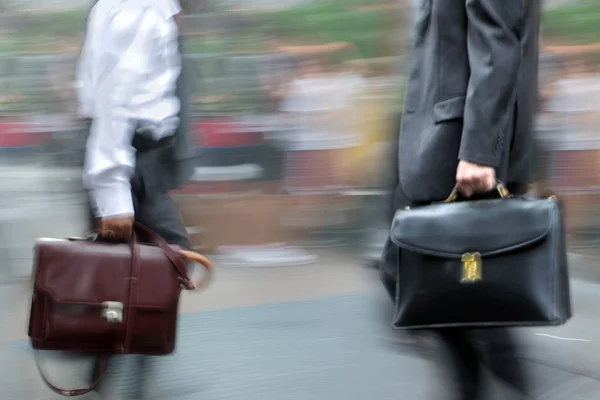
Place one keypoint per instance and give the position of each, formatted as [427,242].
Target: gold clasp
[471,267]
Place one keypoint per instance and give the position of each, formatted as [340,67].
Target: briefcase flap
[90,274]
[489,227]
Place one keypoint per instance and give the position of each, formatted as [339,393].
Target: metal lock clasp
[471,267]
[112,311]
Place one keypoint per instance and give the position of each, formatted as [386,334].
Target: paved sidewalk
[302,333]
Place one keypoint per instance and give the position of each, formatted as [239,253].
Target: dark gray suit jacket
[471,93]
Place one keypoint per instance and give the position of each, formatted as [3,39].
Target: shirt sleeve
[110,157]
[494,56]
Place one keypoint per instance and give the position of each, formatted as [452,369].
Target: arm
[494,53]
[110,157]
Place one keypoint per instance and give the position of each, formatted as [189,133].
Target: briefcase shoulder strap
[102,367]
[177,258]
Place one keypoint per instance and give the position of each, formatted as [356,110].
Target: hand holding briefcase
[482,263]
[108,298]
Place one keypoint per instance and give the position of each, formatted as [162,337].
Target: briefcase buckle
[112,311]
[471,267]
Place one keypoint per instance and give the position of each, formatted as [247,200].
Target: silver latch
[112,311]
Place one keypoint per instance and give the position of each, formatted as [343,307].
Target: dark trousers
[155,209]
[468,349]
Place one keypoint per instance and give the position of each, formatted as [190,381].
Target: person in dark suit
[467,121]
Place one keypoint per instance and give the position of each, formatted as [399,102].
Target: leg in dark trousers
[500,353]
[160,213]
[469,350]
[464,362]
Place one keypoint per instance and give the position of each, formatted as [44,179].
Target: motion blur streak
[295,110]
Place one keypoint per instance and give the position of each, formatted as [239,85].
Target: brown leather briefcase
[108,298]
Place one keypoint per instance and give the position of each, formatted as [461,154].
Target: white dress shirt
[127,78]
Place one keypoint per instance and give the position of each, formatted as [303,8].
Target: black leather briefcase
[486,263]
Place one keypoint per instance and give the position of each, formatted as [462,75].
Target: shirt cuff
[112,202]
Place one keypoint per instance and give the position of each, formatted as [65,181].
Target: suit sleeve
[494,56]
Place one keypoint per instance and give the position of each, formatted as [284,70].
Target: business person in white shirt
[130,88]
[128,84]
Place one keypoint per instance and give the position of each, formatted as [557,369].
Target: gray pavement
[35,201]
[327,348]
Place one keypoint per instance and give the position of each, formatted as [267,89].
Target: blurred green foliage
[573,24]
[68,23]
[337,20]
[317,24]
[308,25]
[334,21]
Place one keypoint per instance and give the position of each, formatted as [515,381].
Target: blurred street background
[296,108]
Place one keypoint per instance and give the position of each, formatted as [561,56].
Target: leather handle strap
[200,259]
[102,367]
[500,188]
[177,257]
[133,288]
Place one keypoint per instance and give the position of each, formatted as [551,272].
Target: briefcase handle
[177,258]
[500,188]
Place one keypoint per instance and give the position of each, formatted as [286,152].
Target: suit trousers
[155,209]
[470,349]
